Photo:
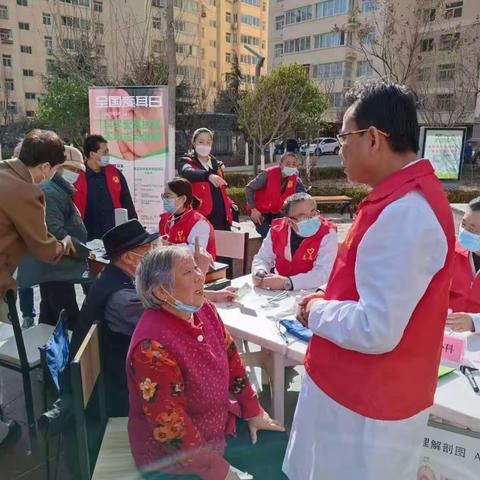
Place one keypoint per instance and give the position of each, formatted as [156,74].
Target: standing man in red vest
[101,189]
[266,193]
[372,364]
[465,289]
[301,246]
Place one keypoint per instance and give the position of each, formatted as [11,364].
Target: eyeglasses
[305,217]
[341,136]
[167,195]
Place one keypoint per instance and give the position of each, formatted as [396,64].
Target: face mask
[203,150]
[169,205]
[468,240]
[104,160]
[289,171]
[309,227]
[183,307]
[70,177]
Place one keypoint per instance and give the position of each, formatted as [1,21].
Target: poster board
[134,121]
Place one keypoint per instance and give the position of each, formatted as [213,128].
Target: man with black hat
[113,301]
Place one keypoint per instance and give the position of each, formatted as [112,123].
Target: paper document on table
[245,289]
[241,475]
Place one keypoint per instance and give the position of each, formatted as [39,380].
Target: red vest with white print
[179,231]
[465,290]
[201,190]
[114,186]
[306,254]
[398,384]
[270,199]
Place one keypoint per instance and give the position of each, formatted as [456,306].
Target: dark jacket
[62,219]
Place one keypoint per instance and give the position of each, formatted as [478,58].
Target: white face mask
[104,160]
[70,177]
[203,150]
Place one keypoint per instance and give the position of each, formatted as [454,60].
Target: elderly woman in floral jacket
[187,383]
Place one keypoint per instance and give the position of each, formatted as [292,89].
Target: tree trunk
[172,84]
[262,157]
[271,148]
[247,146]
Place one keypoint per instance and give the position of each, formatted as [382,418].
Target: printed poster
[134,121]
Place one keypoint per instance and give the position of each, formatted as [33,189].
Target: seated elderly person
[182,369]
[301,247]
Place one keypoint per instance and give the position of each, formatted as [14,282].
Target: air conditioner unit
[347,83]
[234,25]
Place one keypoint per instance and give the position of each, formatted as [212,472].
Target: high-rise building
[119,36]
[431,45]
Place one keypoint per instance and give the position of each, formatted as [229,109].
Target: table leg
[278,387]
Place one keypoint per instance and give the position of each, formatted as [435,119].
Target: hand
[460,322]
[256,216]
[263,422]
[305,304]
[273,281]
[216,180]
[68,247]
[226,295]
[202,258]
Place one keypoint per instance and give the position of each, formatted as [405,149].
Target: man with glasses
[301,247]
[372,363]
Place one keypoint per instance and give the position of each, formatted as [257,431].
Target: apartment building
[208,33]
[329,38]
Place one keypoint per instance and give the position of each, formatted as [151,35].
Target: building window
[279,22]
[278,50]
[213,63]
[213,3]
[250,20]
[449,41]
[213,83]
[369,6]
[156,22]
[297,45]
[7,60]
[213,43]
[255,3]
[70,44]
[156,46]
[445,102]
[22,3]
[298,15]
[48,42]
[329,39]
[249,40]
[6,36]
[445,72]
[429,15]
[424,74]
[228,57]
[4,12]
[364,69]
[99,27]
[23,26]
[30,95]
[426,45]
[27,72]
[158,3]
[97,6]
[179,26]
[25,49]
[12,107]
[213,23]
[228,37]
[9,84]
[336,100]
[454,10]
[228,17]
[29,113]
[82,3]
[331,7]
[50,65]
[47,19]
[332,70]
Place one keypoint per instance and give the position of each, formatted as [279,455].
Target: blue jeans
[25,295]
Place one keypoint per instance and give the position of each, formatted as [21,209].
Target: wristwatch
[287,284]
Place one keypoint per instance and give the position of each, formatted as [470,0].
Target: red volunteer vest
[306,254]
[270,199]
[201,190]
[114,186]
[180,230]
[398,384]
[465,290]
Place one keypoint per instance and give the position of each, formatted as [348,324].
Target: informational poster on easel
[134,121]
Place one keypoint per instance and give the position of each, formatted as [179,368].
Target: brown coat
[22,222]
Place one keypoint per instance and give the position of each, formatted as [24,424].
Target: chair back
[86,377]
[232,245]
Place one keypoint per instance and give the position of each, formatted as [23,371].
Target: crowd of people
[381,300]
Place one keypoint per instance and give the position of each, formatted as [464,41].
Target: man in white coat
[372,364]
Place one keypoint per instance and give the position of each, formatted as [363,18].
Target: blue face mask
[468,240]
[104,160]
[169,205]
[183,307]
[289,171]
[309,227]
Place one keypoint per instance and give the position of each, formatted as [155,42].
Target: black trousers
[56,296]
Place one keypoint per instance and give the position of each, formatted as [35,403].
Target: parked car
[321,145]
[475,143]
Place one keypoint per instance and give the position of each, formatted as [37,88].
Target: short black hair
[92,144]
[475,204]
[293,199]
[389,107]
[42,146]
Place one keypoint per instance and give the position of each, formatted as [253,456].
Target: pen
[467,371]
